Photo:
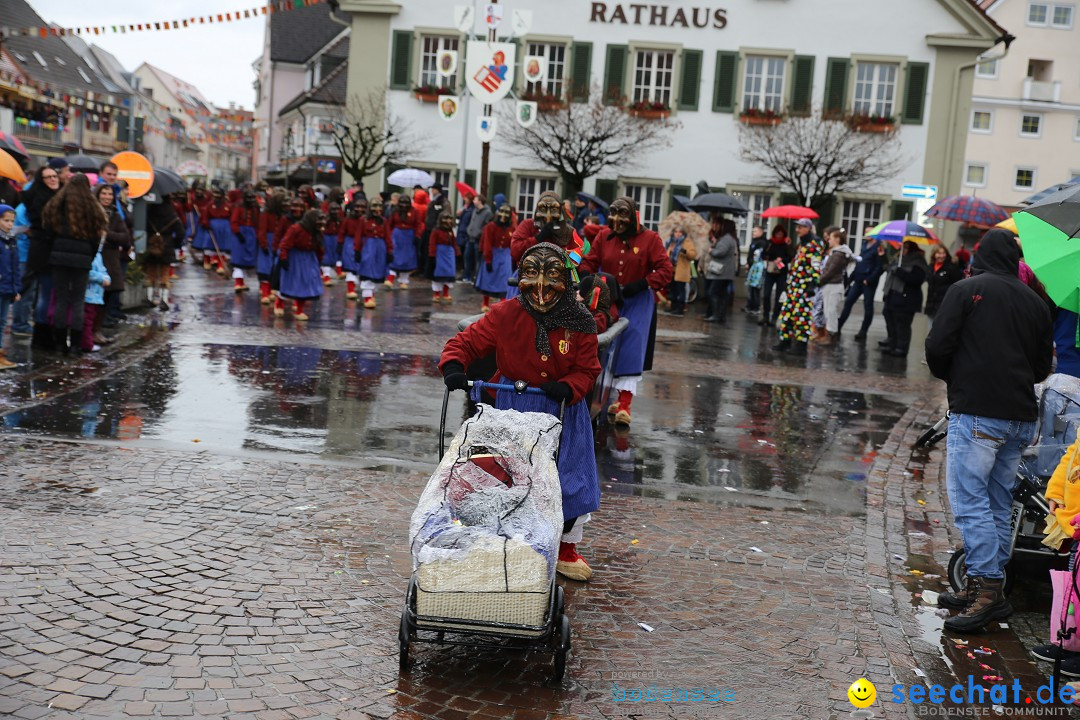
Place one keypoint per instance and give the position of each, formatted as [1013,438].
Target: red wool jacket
[349,228]
[441,237]
[495,236]
[414,222]
[510,332]
[641,257]
[524,238]
[242,215]
[286,222]
[212,212]
[297,238]
[268,223]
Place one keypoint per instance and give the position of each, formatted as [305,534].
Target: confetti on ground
[992,678]
[646,628]
[920,673]
[916,572]
[756,549]
[921,502]
[634,541]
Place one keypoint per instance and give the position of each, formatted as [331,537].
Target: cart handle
[520,387]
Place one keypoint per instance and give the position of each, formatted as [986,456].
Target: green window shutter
[388,169]
[903,210]
[690,79]
[836,76]
[683,190]
[401,60]
[802,85]
[918,75]
[607,189]
[580,71]
[470,178]
[727,67]
[826,213]
[499,182]
[615,74]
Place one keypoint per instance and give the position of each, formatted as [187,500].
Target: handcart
[483,557]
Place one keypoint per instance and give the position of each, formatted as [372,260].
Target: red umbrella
[465,190]
[790,212]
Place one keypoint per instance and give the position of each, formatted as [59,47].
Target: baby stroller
[1059,417]
[485,538]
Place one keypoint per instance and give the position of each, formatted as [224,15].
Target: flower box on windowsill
[761,119]
[550,105]
[650,113]
[427,97]
[872,124]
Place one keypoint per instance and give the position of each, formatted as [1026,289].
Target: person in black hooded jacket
[991,341]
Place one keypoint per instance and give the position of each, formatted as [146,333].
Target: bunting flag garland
[272,7]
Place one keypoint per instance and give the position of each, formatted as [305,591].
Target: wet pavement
[210,519]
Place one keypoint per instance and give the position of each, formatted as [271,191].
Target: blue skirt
[494,282]
[347,257]
[634,341]
[302,281]
[577,456]
[404,249]
[330,251]
[244,253]
[445,264]
[222,230]
[264,259]
[512,290]
[201,239]
[372,260]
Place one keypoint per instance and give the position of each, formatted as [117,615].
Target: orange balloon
[136,171]
[9,167]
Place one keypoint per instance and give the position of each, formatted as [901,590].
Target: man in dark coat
[991,342]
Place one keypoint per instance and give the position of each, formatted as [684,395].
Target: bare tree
[584,139]
[368,136]
[817,158]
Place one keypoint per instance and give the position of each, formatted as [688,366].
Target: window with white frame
[442,177]
[763,83]
[528,190]
[649,199]
[975,175]
[430,47]
[982,121]
[860,215]
[1038,13]
[654,76]
[1030,125]
[875,88]
[1025,178]
[987,69]
[1062,17]
[757,203]
[555,53]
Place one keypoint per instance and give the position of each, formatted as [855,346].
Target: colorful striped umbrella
[898,232]
[968,209]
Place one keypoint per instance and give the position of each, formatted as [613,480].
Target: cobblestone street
[190,530]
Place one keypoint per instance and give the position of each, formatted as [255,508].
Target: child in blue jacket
[94,303]
[10,279]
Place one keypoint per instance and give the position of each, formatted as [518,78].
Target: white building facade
[709,65]
[1024,125]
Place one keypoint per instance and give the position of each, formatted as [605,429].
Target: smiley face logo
[862,693]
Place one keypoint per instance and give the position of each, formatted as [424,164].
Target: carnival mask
[404,205]
[334,211]
[249,198]
[296,207]
[374,207]
[548,212]
[621,216]
[544,278]
[446,222]
[504,214]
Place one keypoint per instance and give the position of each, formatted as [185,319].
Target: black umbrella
[83,163]
[717,202]
[167,182]
[592,198]
[1043,194]
[1061,209]
[681,201]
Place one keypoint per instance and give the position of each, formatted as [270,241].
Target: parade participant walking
[267,237]
[903,298]
[244,224]
[405,225]
[777,256]
[991,342]
[297,208]
[796,316]
[548,340]
[869,266]
[348,243]
[371,246]
[164,230]
[548,224]
[442,259]
[77,223]
[299,256]
[331,259]
[635,257]
[198,201]
[216,219]
[495,253]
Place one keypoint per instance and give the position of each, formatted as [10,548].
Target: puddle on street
[693,438]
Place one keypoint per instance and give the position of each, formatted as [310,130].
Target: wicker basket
[508,608]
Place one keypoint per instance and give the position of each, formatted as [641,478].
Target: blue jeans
[471,259]
[6,301]
[983,455]
[20,320]
[856,290]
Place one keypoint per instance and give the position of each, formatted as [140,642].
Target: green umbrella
[1054,257]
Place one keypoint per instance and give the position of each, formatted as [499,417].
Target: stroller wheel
[561,650]
[958,572]
[403,642]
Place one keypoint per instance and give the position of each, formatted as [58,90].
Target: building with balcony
[1024,124]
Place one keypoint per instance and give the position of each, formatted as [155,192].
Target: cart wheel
[561,650]
[958,572]
[403,641]
[560,601]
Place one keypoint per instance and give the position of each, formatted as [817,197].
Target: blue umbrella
[603,205]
